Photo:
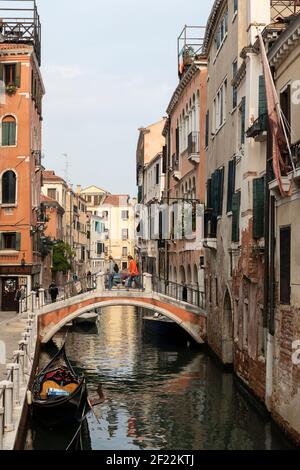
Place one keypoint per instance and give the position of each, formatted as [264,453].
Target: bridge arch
[185,323]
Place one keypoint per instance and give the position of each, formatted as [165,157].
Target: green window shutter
[243,119]
[215,192]
[258,207]
[262,100]
[1,241]
[1,72]
[12,133]
[18,75]
[220,190]
[207,129]
[209,197]
[231,184]
[236,204]
[18,242]
[5,133]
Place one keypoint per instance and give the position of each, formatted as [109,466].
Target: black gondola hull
[57,411]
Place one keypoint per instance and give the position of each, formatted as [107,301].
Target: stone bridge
[192,318]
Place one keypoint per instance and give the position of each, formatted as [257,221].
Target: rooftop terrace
[20,24]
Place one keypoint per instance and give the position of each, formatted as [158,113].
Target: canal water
[160,393]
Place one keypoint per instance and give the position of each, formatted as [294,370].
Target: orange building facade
[21,96]
[185,180]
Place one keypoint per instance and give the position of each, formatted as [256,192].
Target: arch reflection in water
[161,395]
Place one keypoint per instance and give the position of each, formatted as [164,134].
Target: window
[125,215]
[235,6]
[220,107]
[177,142]
[9,131]
[236,205]
[207,129]
[89,198]
[222,31]
[100,248]
[124,234]
[51,192]
[9,187]
[82,253]
[216,188]
[157,173]
[258,207]
[262,98]
[10,74]
[10,241]
[285,103]
[97,200]
[234,88]
[124,251]
[124,265]
[231,184]
[285,265]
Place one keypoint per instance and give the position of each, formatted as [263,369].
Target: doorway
[9,289]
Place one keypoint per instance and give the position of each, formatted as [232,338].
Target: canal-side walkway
[12,326]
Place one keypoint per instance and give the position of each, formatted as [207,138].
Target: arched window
[9,131]
[9,187]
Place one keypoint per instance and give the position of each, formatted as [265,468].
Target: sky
[109,68]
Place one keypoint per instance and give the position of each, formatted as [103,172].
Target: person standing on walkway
[53,291]
[133,273]
[111,272]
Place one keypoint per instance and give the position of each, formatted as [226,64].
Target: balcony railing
[210,224]
[37,157]
[175,162]
[258,127]
[295,148]
[194,146]
[24,27]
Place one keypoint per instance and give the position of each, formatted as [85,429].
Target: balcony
[190,46]
[258,130]
[37,155]
[24,27]
[210,229]
[175,167]
[194,147]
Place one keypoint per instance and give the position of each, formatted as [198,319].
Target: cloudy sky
[109,68]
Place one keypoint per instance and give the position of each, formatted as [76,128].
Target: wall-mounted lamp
[23,261]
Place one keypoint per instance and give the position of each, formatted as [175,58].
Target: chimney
[78,190]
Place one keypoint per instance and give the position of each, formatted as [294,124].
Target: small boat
[58,394]
[89,317]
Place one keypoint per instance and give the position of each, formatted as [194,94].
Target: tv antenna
[67,167]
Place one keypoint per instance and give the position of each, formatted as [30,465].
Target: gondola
[58,394]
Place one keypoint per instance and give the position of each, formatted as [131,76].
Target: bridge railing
[41,297]
[13,389]
[179,292]
[78,286]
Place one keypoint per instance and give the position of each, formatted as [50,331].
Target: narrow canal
[159,394]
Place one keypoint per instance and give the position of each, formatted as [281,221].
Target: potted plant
[11,89]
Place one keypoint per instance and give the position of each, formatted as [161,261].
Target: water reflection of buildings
[159,398]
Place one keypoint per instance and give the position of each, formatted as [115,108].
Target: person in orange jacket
[133,272]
